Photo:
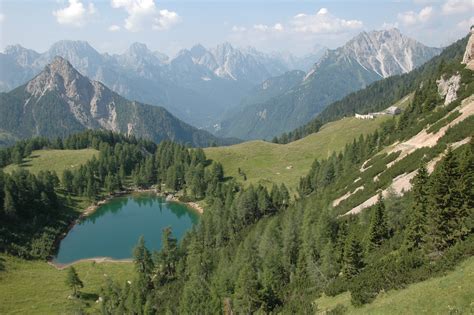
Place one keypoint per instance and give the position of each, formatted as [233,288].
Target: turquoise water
[114,228]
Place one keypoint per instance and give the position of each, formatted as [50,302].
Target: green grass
[54,160]
[265,162]
[450,294]
[35,287]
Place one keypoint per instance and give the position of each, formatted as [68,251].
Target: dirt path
[94,259]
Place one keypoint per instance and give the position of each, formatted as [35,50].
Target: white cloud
[278,27]
[457,6]
[114,28]
[411,17]
[236,28]
[2,17]
[466,24]
[144,13]
[75,13]
[323,22]
[165,20]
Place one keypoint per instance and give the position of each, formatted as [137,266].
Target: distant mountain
[261,93]
[60,101]
[198,85]
[366,58]
[305,62]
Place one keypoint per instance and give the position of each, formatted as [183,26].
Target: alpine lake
[113,230]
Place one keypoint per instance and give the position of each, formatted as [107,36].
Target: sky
[296,26]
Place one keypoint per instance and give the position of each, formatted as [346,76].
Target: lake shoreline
[92,208]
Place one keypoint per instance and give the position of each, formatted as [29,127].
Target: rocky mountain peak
[69,47]
[59,76]
[23,56]
[138,48]
[385,52]
[198,50]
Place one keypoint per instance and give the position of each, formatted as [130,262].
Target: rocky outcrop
[468,58]
[449,88]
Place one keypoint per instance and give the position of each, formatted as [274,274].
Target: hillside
[451,293]
[53,160]
[20,280]
[366,58]
[264,162]
[258,250]
[377,95]
[60,101]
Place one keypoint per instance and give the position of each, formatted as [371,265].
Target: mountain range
[368,57]
[198,85]
[60,101]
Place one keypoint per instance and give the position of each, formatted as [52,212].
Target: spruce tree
[73,281]
[417,224]
[446,202]
[9,204]
[378,230]
[353,258]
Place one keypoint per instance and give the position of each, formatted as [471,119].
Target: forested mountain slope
[257,251]
[60,101]
[383,93]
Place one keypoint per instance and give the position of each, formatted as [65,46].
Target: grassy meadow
[35,287]
[265,162]
[54,160]
[449,294]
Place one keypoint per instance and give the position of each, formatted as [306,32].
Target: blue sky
[168,26]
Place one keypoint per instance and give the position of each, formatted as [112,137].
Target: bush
[336,286]
[338,310]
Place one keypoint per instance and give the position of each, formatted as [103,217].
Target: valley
[267,163]
[315,164]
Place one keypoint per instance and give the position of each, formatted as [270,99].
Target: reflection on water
[113,230]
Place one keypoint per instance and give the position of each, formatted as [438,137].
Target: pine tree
[9,204]
[378,230]
[247,288]
[168,256]
[353,258]
[417,224]
[67,180]
[73,281]
[445,225]
[144,267]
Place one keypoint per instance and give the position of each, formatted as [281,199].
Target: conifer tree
[446,223]
[73,281]
[9,204]
[353,258]
[417,224]
[144,266]
[378,230]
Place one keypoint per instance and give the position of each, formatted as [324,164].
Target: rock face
[90,101]
[449,88]
[386,52]
[468,58]
[60,101]
[366,58]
